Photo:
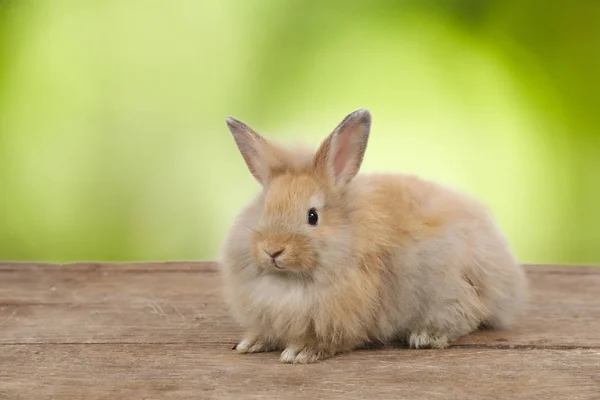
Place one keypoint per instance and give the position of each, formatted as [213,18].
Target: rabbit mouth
[274,264]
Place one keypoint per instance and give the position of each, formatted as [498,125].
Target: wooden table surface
[153,331]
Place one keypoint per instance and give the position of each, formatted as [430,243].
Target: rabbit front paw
[254,344]
[303,355]
[423,340]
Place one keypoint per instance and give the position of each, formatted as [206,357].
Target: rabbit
[324,260]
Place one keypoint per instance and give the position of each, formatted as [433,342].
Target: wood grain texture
[132,331]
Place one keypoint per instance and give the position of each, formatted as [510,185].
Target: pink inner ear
[342,154]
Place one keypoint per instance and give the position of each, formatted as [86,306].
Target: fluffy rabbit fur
[390,258]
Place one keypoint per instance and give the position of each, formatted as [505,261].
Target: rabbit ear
[341,154]
[251,146]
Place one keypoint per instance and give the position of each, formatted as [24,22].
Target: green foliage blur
[113,144]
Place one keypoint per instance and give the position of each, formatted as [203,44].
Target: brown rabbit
[324,260]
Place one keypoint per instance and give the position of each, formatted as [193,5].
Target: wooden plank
[106,331]
[152,371]
[181,303]
[211,266]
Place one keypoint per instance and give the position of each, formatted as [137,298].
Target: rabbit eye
[312,216]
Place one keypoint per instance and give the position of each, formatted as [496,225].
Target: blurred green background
[113,144]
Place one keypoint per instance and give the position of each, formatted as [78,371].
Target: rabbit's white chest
[280,296]
[283,307]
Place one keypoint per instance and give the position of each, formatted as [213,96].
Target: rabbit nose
[274,254]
